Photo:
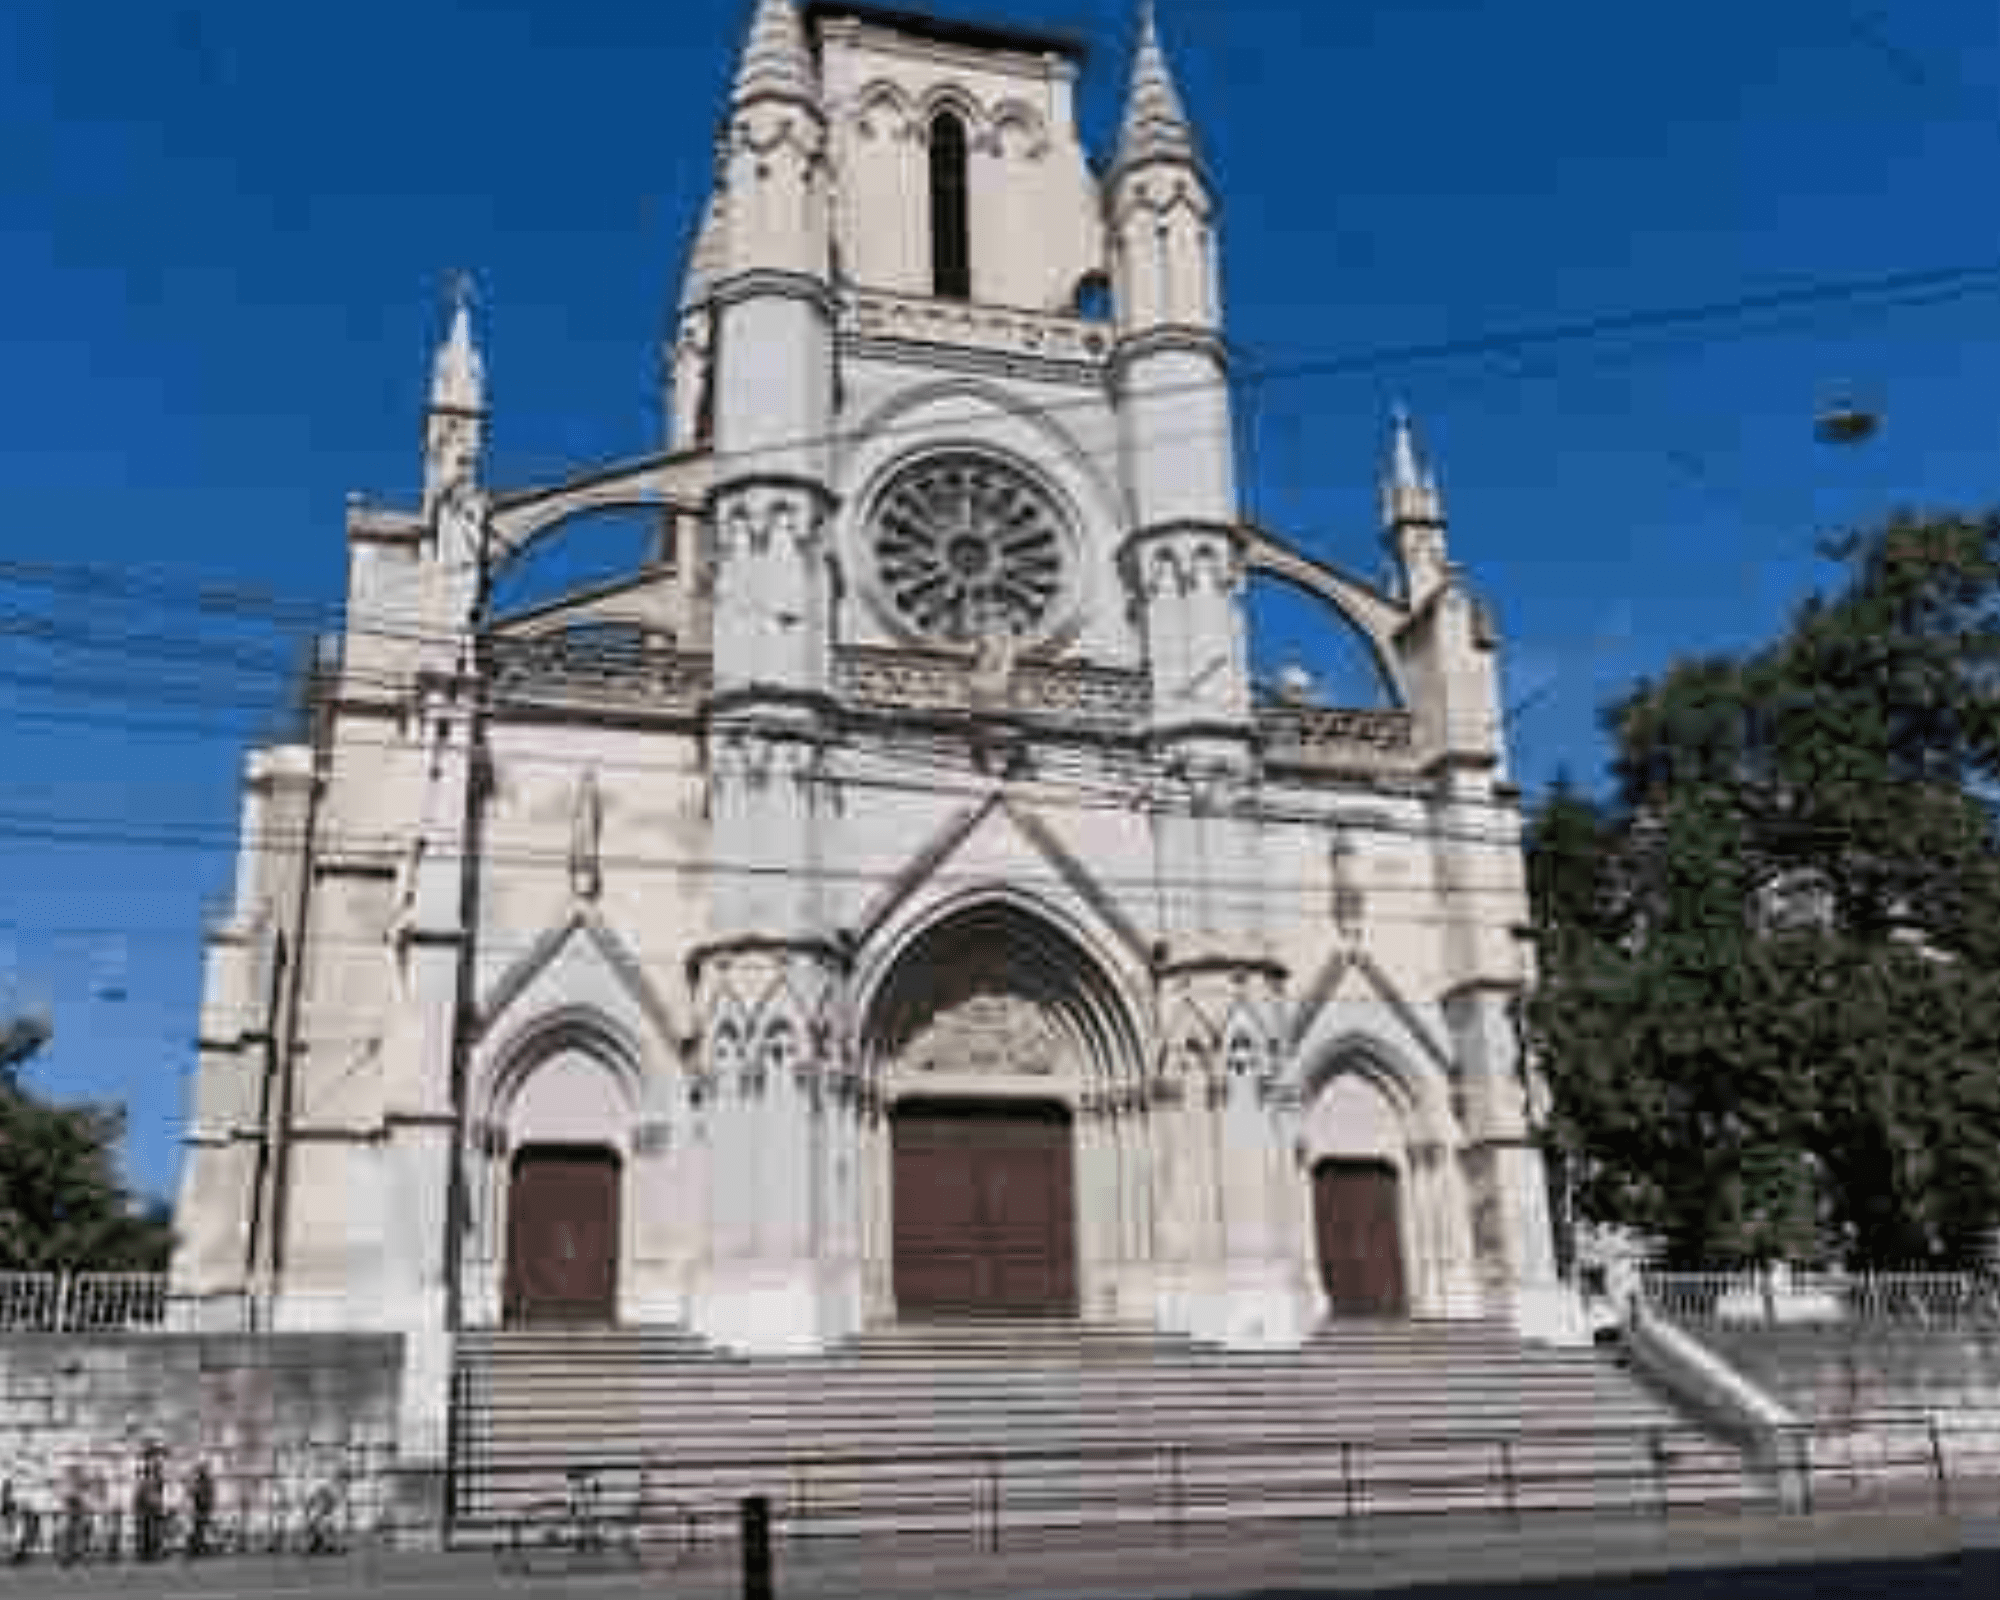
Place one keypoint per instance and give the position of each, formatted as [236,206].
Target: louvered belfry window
[951,230]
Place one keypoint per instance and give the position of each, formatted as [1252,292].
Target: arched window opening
[951,223]
[1093,297]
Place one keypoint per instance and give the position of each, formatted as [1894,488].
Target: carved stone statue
[462,525]
[586,836]
[988,1034]
[996,648]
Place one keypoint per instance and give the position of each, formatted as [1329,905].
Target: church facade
[896,900]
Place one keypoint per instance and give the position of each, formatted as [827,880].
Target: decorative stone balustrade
[1323,737]
[935,680]
[599,663]
[1039,335]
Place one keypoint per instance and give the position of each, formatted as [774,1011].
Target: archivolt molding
[1018,117]
[1416,1093]
[956,98]
[1066,970]
[583,1029]
[885,95]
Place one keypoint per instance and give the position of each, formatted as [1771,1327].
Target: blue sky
[224,227]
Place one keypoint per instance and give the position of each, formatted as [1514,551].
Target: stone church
[896,899]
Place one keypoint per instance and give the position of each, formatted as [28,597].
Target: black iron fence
[145,1505]
[996,1499]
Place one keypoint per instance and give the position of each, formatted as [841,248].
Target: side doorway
[562,1237]
[1357,1209]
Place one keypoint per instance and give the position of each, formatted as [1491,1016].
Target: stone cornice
[757,283]
[813,948]
[1169,338]
[1193,729]
[1169,968]
[1446,762]
[726,708]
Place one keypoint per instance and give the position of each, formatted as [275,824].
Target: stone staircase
[984,1429]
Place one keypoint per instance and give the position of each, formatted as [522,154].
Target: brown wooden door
[562,1237]
[984,1220]
[1360,1237]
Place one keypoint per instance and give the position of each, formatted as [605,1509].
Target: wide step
[1014,1427]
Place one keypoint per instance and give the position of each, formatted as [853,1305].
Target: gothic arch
[1050,959]
[1018,117]
[1365,1101]
[570,1076]
[568,1032]
[1412,1088]
[962,103]
[884,94]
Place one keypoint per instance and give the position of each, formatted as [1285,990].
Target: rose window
[966,548]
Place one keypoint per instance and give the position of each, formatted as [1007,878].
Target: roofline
[952,30]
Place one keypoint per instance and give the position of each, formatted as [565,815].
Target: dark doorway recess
[562,1237]
[1356,1207]
[984,1210]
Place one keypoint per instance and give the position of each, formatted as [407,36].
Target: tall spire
[458,374]
[1156,121]
[775,60]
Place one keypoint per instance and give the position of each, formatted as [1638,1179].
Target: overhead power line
[1709,319]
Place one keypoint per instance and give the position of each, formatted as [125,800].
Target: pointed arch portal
[996,1039]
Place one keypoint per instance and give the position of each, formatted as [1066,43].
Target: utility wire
[1921,287]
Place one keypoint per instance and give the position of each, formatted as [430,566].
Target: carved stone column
[766,1010]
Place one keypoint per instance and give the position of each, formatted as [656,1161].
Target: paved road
[1851,1557]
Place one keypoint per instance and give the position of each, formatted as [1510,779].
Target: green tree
[63,1204]
[1770,997]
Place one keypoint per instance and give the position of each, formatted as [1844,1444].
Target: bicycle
[20,1527]
[554,1534]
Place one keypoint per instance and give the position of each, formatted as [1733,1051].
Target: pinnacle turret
[1413,514]
[1156,124]
[1409,488]
[458,373]
[776,63]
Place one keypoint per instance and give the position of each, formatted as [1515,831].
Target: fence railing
[82,1302]
[141,1503]
[1005,1498]
[1782,1295]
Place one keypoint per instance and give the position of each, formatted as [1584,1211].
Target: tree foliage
[1770,997]
[63,1204]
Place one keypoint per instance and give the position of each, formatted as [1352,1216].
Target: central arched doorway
[984,1209]
[1001,1181]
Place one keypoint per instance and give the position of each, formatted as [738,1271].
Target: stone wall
[274,1418]
[1882,1402]
[1834,1374]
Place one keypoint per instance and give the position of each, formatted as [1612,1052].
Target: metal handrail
[979,1490]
